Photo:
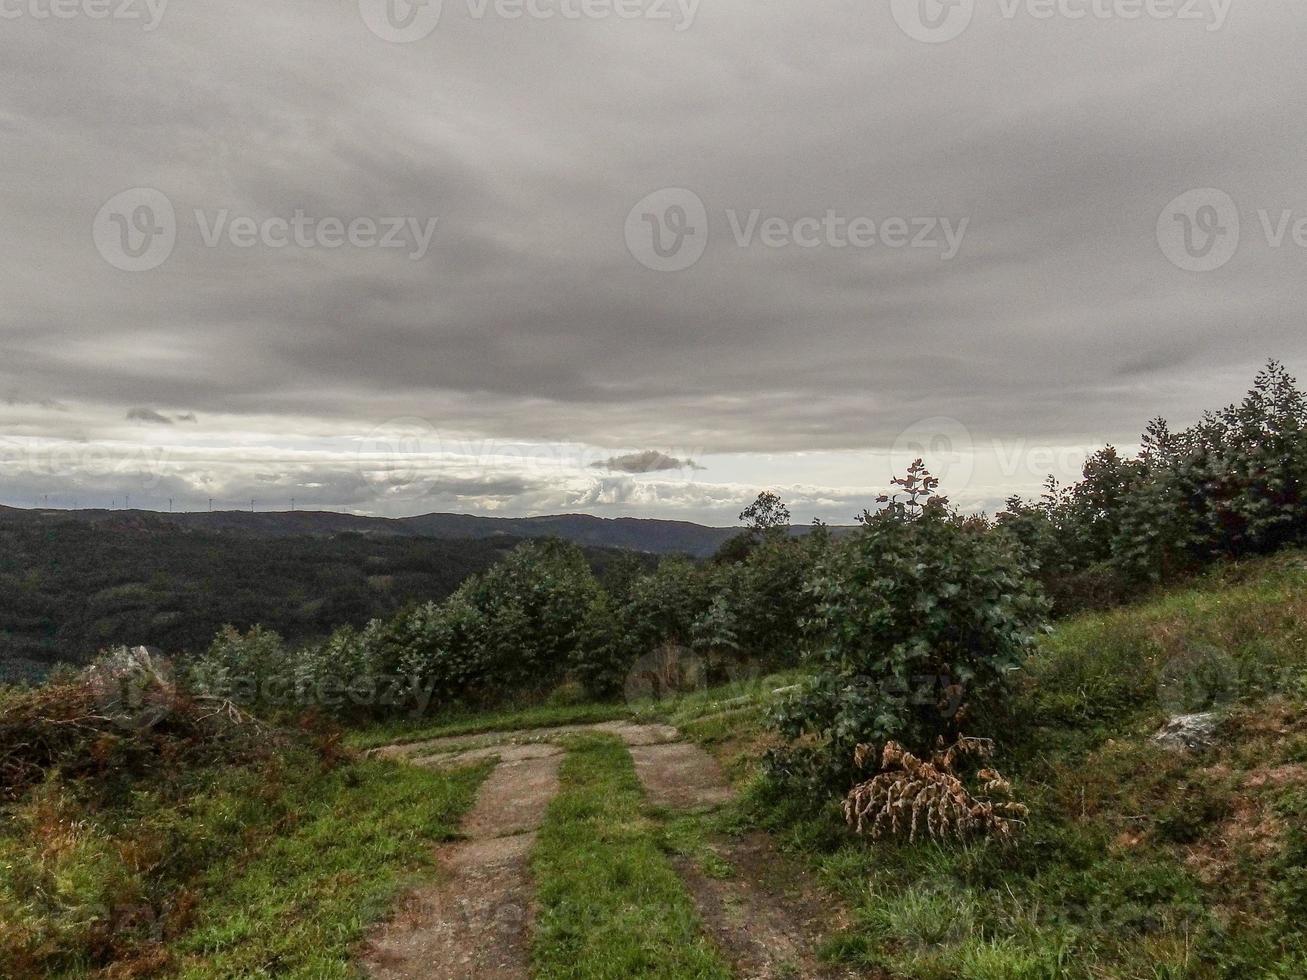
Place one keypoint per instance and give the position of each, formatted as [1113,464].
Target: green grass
[297,907]
[1238,633]
[693,706]
[610,906]
[264,867]
[1137,863]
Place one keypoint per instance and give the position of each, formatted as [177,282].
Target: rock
[1189,733]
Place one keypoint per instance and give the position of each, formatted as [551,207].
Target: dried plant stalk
[913,797]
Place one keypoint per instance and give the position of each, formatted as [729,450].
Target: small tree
[920,620]
[767,513]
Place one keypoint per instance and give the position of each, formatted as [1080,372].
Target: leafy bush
[605,649]
[1232,486]
[253,668]
[921,619]
[759,605]
[664,606]
[518,626]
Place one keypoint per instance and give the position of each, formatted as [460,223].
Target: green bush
[1232,486]
[253,668]
[759,602]
[921,619]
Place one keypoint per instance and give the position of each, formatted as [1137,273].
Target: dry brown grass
[912,796]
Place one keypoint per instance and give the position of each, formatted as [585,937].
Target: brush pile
[123,715]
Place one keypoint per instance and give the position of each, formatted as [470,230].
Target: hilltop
[657,537]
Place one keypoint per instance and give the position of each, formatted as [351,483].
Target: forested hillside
[658,537]
[69,588]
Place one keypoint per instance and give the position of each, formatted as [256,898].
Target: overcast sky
[403,260]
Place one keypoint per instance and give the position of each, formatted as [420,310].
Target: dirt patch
[465,743]
[505,753]
[1252,828]
[632,734]
[514,797]
[473,926]
[680,776]
[475,922]
[426,751]
[765,917]
[1277,777]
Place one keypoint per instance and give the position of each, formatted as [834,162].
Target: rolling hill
[657,537]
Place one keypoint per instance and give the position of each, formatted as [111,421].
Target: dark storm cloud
[649,461]
[527,142]
[148,415]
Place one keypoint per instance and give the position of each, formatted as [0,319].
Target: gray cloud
[1059,322]
[649,461]
[140,414]
[153,417]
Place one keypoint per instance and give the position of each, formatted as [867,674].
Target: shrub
[253,669]
[605,650]
[759,605]
[443,646]
[1233,485]
[920,620]
[664,606]
[518,626]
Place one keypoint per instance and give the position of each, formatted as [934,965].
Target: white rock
[1189,733]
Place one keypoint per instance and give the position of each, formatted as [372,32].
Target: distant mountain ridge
[652,536]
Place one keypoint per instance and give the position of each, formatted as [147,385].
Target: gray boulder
[1189,733]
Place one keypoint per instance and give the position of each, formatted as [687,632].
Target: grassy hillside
[1138,861]
[207,846]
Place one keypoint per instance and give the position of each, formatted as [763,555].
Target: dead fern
[122,714]
[912,796]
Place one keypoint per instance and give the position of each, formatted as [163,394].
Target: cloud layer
[649,461]
[503,158]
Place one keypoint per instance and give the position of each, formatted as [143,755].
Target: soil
[474,921]
[767,917]
[475,924]
[680,776]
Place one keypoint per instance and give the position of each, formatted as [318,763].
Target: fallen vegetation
[928,797]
